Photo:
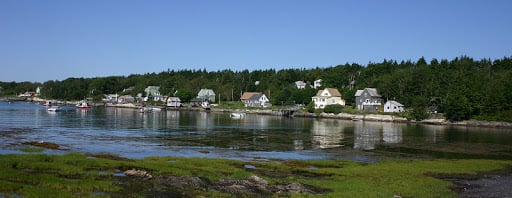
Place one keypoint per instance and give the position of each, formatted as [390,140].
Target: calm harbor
[129,133]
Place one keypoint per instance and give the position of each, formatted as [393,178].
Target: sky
[60,39]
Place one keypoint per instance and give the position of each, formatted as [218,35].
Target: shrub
[335,108]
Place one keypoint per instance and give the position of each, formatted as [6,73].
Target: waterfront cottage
[327,96]
[393,106]
[368,99]
[257,100]
[173,102]
[247,95]
[153,92]
[125,99]
[206,95]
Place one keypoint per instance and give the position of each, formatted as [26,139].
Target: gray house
[257,100]
[368,99]
[206,95]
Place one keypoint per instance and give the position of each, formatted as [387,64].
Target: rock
[137,173]
[257,180]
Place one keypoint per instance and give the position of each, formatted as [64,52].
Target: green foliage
[334,108]
[419,108]
[458,107]
[185,95]
[310,108]
[463,88]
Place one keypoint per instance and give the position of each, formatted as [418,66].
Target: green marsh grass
[79,175]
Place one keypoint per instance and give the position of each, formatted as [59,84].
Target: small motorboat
[83,105]
[205,105]
[54,109]
[237,115]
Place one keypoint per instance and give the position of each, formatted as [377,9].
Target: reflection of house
[327,134]
[368,99]
[173,102]
[207,95]
[328,96]
[391,132]
[366,135]
[257,100]
[393,106]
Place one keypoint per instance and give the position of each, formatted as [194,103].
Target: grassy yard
[100,175]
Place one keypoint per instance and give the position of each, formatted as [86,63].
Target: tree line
[461,88]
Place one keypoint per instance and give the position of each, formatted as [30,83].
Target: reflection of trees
[327,133]
[366,135]
[434,132]
[391,132]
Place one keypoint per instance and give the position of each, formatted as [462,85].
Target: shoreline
[341,116]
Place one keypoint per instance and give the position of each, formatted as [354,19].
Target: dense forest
[461,88]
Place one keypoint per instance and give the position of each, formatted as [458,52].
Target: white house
[173,102]
[153,92]
[256,99]
[327,96]
[110,98]
[393,106]
[317,83]
[300,84]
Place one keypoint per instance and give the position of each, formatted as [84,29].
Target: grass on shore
[78,175]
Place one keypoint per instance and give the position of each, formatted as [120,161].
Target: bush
[336,108]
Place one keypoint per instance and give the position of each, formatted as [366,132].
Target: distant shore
[341,116]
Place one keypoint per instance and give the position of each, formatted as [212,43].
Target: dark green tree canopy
[462,88]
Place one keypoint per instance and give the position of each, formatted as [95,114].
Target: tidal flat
[107,175]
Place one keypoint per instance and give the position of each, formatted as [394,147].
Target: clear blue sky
[58,39]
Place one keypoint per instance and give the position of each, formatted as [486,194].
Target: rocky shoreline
[342,116]
[354,117]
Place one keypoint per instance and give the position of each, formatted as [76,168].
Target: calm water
[129,133]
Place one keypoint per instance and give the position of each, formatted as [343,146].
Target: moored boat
[205,105]
[237,115]
[54,109]
[83,105]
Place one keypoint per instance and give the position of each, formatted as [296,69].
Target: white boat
[237,115]
[145,109]
[205,105]
[54,109]
[83,105]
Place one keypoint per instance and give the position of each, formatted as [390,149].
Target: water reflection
[391,132]
[366,135]
[327,134]
[126,131]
